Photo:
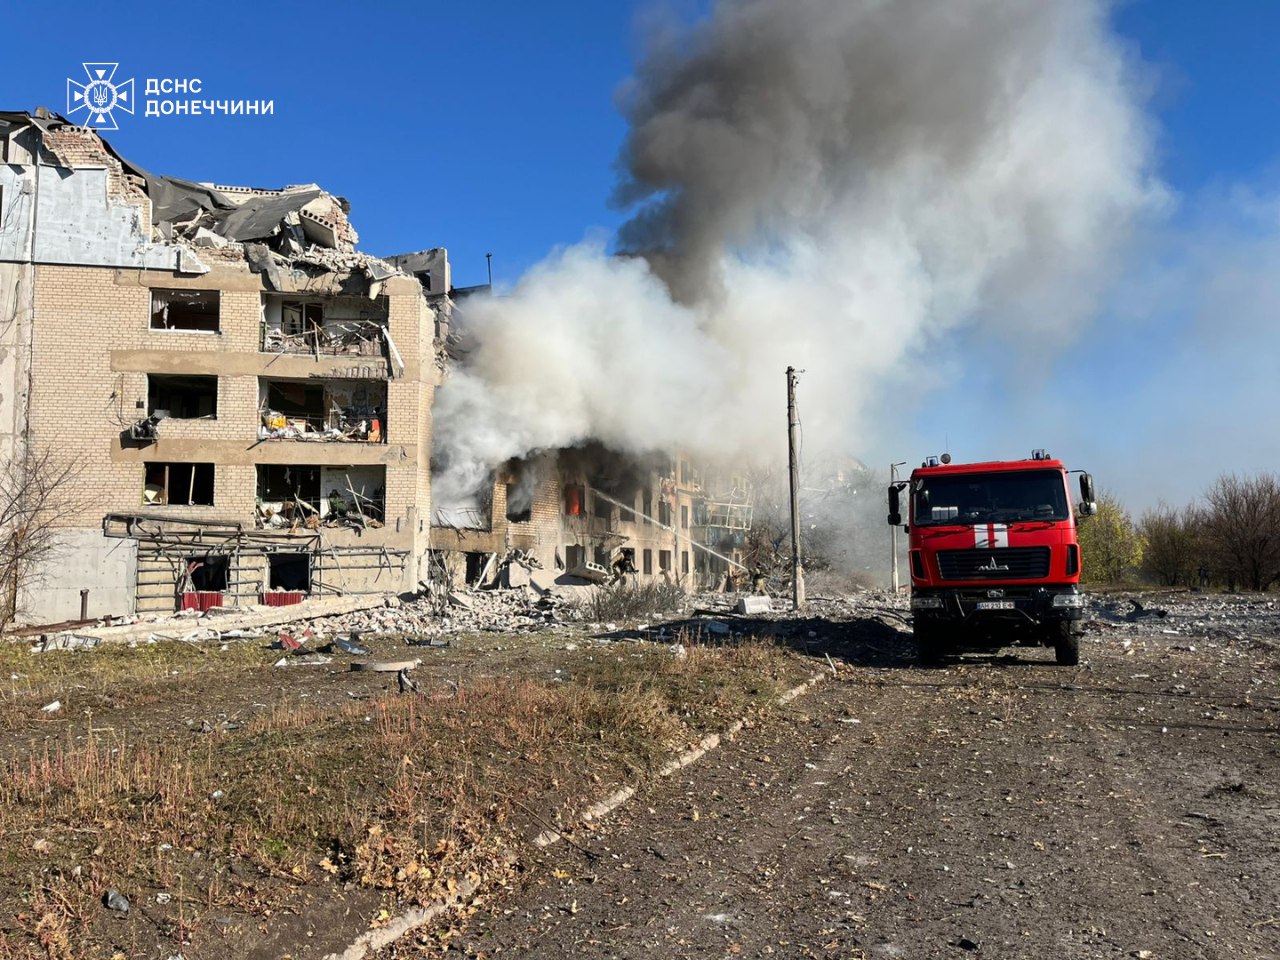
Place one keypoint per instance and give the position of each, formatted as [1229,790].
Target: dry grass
[396,794]
[632,601]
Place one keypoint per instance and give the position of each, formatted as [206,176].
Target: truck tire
[929,645]
[1066,643]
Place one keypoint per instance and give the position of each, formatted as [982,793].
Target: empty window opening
[648,562]
[185,310]
[684,561]
[519,506]
[574,555]
[207,574]
[664,561]
[601,556]
[573,500]
[288,491]
[684,518]
[182,397]
[476,563]
[646,507]
[664,513]
[289,571]
[178,484]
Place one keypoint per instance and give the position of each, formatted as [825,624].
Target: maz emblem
[993,567]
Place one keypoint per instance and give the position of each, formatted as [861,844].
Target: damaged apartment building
[589,513]
[247,396]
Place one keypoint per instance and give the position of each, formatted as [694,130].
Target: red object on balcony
[282,598]
[201,600]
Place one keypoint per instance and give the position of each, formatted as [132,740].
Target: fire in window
[573,500]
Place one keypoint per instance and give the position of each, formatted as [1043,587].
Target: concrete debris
[115,900]
[350,646]
[1140,611]
[65,641]
[53,707]
[315,660]
[385,666]
[754,605]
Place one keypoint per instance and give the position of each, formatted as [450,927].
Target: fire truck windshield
[1004,497]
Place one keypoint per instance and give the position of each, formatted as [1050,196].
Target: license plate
[995,604]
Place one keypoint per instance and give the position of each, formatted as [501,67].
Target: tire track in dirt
[1011,807]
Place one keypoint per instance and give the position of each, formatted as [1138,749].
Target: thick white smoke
[825,183]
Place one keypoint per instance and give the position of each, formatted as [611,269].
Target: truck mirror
[1086,488]
[895,507]
[1087,508]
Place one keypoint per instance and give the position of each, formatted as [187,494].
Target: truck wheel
[1066,643]
[928,635]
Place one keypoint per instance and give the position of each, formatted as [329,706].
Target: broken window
[602,508]
[519,508]
[207,574]
[185,310]
[289,571]
[664,561]
[684,518]
[476,564]
[664,513]
[684,561]
[573,500]
[574,555]
[178,484]
[298,318]
[288,491]
[182,397]
[323,410]
[600,555]
[646,508]
[648,562]
[333,326]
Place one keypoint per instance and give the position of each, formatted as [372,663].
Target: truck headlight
[926,603]
[1074,600]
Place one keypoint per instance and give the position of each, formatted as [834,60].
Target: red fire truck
[994,555]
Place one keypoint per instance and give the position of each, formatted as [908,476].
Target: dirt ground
[999,806]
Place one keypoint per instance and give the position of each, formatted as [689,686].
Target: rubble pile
[1189,614]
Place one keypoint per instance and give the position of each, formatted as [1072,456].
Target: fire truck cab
[993,554]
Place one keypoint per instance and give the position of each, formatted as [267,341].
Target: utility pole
[893,530]
[793,421]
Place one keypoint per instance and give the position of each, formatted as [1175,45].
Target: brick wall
[93,347]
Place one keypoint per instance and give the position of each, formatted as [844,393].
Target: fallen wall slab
[254,617]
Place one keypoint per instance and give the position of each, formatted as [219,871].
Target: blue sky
[493,128]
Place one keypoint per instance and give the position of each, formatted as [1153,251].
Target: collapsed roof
[295,226]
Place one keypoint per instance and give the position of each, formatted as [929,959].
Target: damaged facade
[248,395]
[591,514]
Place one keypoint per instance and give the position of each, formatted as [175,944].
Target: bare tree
[37,494]
[1174,548]
[1109,543]
[1242,530]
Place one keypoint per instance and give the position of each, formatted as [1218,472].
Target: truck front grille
[1011,563]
